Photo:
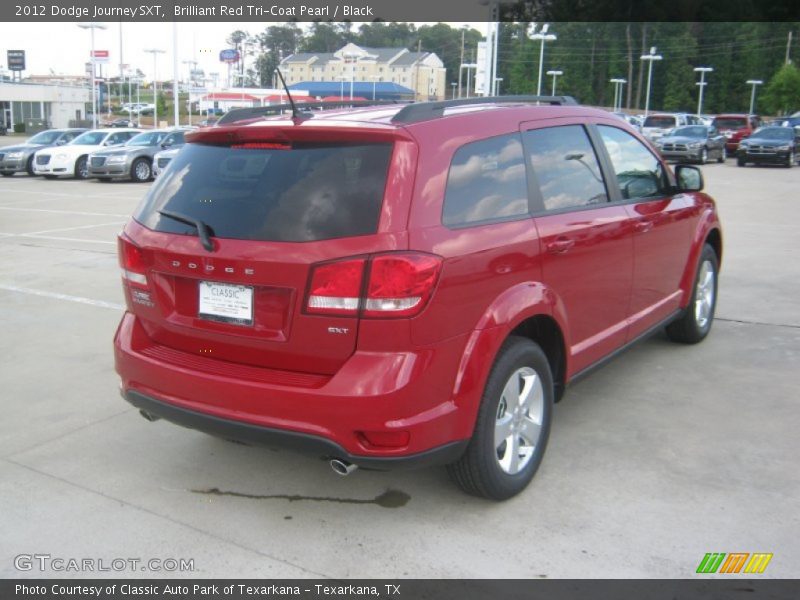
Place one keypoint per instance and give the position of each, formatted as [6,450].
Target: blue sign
[230,55]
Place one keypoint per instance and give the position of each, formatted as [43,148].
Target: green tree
[782,95]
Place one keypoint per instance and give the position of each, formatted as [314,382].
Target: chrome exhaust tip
[342,467]
[147,416]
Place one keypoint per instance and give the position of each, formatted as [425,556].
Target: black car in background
[773,144]
[19,158]
[695,143]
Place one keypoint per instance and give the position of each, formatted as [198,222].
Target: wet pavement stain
[388,499]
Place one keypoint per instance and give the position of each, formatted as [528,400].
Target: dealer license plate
[226,303]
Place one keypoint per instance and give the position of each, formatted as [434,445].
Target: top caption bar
[398,10]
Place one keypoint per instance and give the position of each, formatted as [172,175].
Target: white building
[422,72]
[41,106]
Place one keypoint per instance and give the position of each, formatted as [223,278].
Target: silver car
[133,160]
[692,143]
[19,158]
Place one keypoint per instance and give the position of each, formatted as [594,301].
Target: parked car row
[106,154]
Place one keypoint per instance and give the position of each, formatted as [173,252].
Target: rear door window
[486,183]
[298,194]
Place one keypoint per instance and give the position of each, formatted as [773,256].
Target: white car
[72,159]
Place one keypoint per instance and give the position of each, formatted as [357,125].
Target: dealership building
[40,106]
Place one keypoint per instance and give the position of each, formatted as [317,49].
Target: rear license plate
[226,303]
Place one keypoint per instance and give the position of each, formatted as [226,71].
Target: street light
[92,27]
[468,66]
[453,85]
[618,84]
[375,79]
[544,37]
[155,52]
[555,75]
[650,58]
[754,83]
[342,79]
[349,56]
[702,83]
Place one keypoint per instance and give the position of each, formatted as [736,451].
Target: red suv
[735,128]
[407,286]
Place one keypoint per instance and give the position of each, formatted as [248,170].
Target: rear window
[730,122]
[662,122]
[302,194]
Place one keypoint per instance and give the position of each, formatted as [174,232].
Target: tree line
[588,54]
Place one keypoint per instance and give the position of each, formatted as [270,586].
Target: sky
[64,47]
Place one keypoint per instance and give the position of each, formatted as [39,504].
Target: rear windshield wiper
[204,232]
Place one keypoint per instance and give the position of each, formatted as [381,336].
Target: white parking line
[31,236]
[37,233]
[66,297]
[64,212]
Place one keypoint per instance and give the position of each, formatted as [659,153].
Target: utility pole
[463,32]
[789,49]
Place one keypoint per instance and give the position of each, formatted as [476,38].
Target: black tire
[6,173]
[29,167]
[480,469]
[694,324]
[141,170]
[790,160]
[702,158]
[82,168]
[740,162]
[723,154]
[51,176]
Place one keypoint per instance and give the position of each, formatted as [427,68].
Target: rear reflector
[131,259]
[386,439]
[400,285]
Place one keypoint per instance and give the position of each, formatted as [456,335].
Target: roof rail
[425,111]
[244,114]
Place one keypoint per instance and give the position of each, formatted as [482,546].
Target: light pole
[92,27]
[754,83]
[342,79]
[544,37]
[702,83]
[463,33]
[497,82]
[650,58]
[175,93]
[618,84]
[375,79]
[468,66]
[155,52]
[453,85]
[555,75]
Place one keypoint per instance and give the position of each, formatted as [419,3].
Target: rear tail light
[336,287]
[131,259]
[399,285]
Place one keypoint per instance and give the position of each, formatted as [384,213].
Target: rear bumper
[373,392]
[302,442]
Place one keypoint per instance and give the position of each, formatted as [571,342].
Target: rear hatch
[220,256]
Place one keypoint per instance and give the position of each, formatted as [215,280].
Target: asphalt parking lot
[663,455]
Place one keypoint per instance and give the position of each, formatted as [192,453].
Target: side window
[565,166]
[68,137]
[639,173]
[117,138]
[486,182]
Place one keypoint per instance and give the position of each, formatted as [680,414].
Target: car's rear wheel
[513,424]
[790,160]
[140,170]
[695,323]
[82,168]
[702,158]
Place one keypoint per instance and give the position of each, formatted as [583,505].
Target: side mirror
[690,178]
[167,143]
[61,142]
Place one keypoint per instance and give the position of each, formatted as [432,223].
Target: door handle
[643,226]
[560,245]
